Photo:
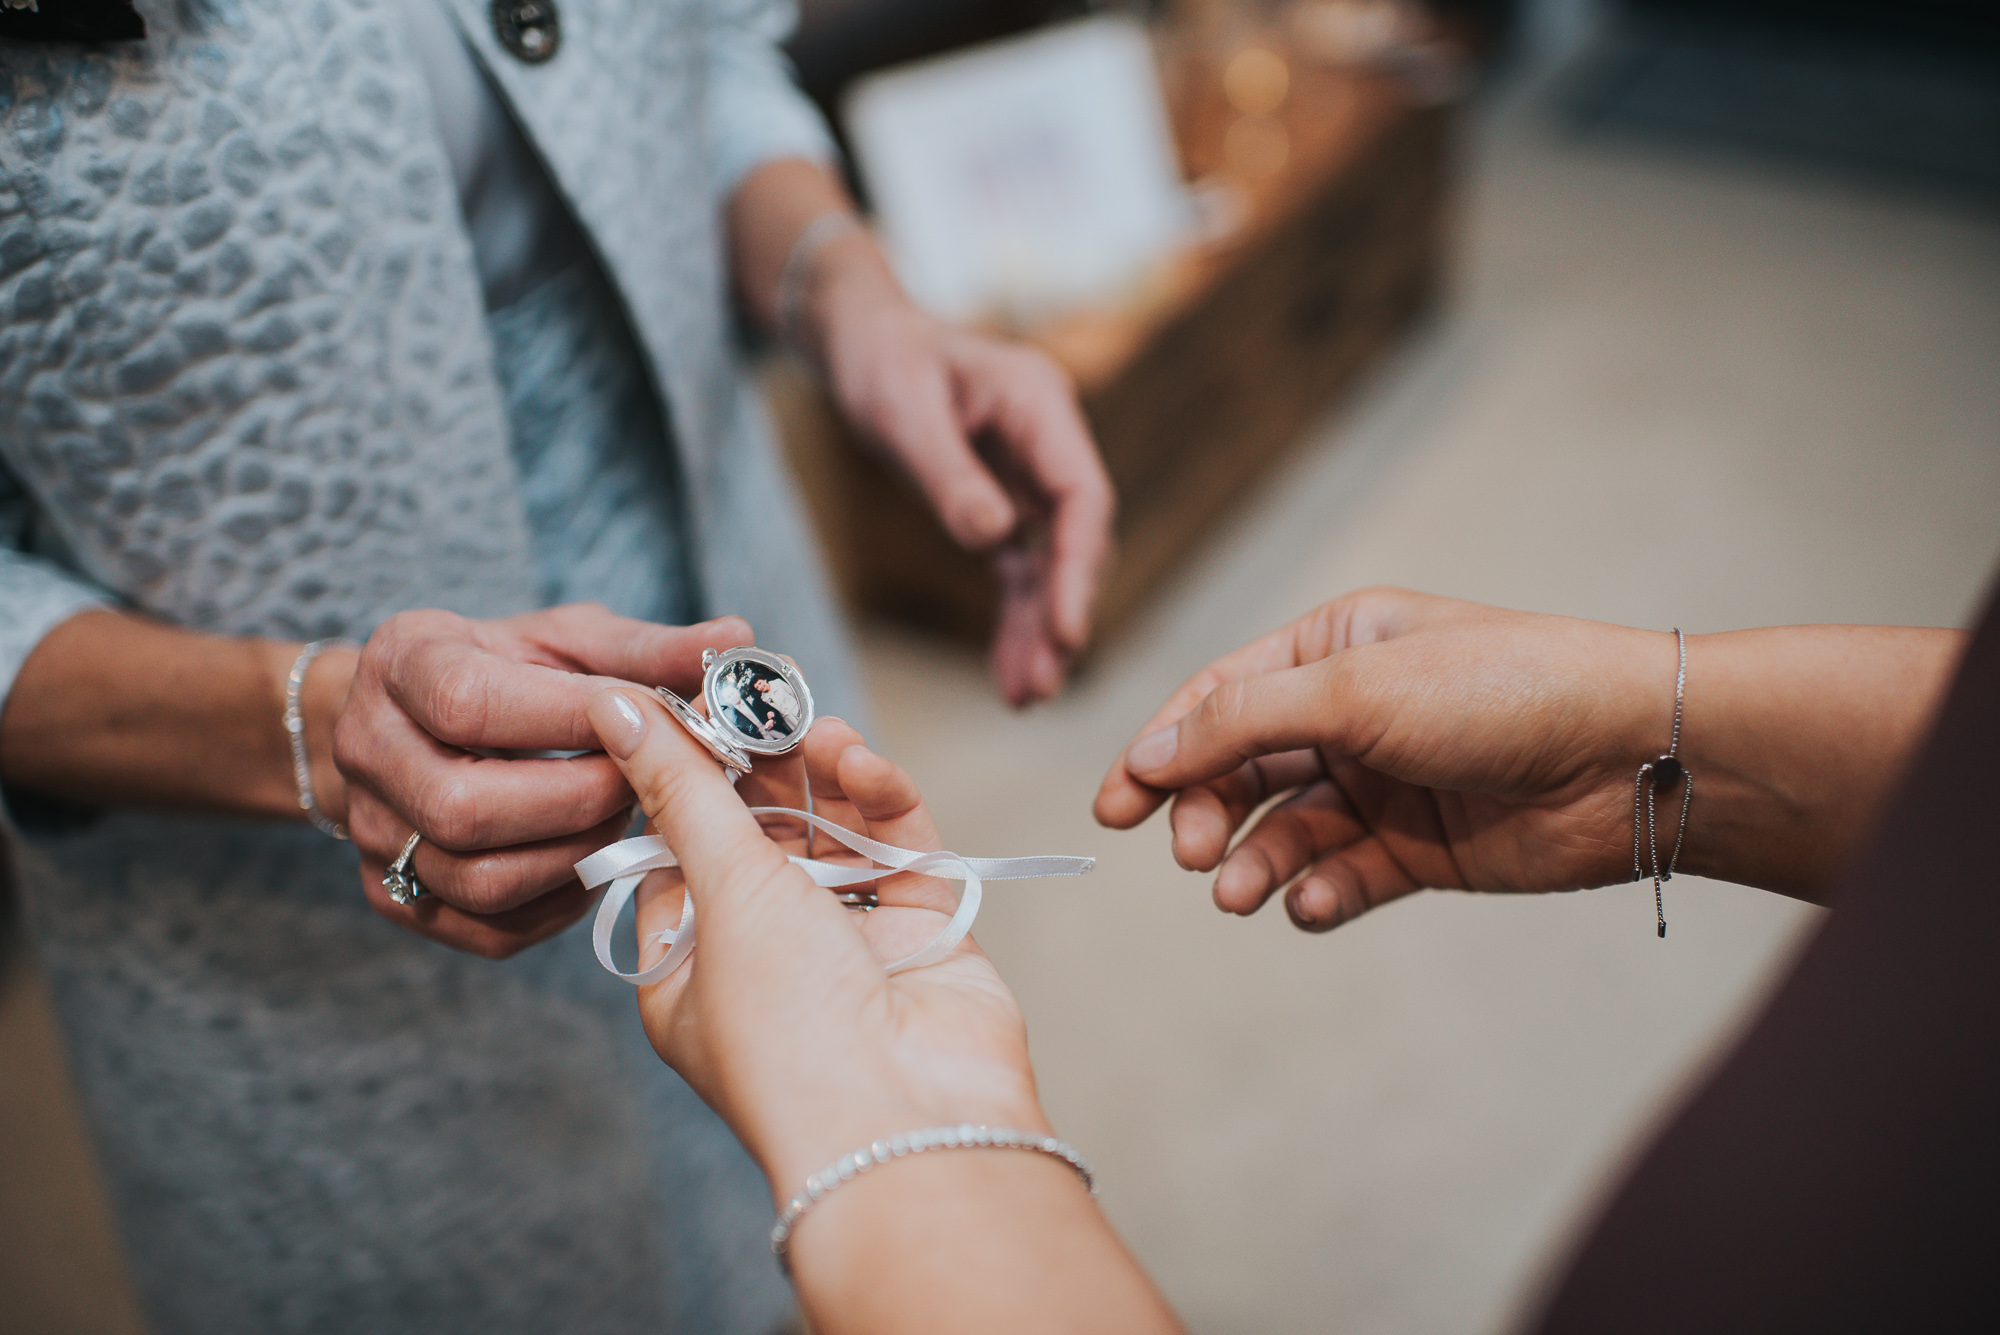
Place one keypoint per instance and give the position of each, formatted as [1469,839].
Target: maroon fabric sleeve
[1840,1171]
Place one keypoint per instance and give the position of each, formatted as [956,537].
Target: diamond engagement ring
[758,704]
[400,881]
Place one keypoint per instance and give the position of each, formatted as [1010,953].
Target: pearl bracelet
[295,728]
[962,1137]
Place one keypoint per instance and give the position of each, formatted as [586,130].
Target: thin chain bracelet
[963,1137]
[789,301]
[1664,771]
[295,728]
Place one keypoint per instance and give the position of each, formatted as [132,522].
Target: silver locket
[758,704]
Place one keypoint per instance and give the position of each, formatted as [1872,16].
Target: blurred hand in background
[987,428]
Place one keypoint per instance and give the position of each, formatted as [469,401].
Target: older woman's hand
[987,428]
[991,432]
[427,738]
[420,730]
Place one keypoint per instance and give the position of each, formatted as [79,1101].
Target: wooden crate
[1195,392]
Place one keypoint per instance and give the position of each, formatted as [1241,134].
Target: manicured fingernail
[1151,752]
[1315,906]
[620,725]
[1237,883]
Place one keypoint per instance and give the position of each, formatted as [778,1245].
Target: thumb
[1239,720]
[685,794]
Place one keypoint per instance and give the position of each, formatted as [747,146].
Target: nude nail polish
[620,725]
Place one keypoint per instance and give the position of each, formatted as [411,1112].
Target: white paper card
[1022,177]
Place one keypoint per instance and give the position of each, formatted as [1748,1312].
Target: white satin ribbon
[624,864]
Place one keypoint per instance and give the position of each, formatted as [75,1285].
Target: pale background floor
[1671,389]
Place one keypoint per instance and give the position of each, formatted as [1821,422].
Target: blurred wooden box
[1195,390]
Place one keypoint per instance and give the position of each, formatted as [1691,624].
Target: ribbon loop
[624,864]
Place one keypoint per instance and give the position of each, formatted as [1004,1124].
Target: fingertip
[618,722]
[855,755]
[978,513]
[864,774]
[1313,905]
[1069,624]
[1046,672]
[1201,829]
[828,726]
[885,796]
[1009,671]
[1070,608]
[825,740]
[1102,808]
[727,631]
[1240,886]
[1121,803]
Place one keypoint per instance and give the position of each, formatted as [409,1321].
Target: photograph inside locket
[758,702]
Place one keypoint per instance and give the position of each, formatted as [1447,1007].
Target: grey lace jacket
[247,386]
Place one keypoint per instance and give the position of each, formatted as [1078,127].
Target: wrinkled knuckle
[736,628]
[485,883]
[419,624]
[350,754]
[401,626]
[458,701]
[449,812]
[1219,708]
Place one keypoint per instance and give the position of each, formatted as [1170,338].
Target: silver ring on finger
[399,880]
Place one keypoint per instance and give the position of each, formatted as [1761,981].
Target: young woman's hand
[1426,742]
[783,1018]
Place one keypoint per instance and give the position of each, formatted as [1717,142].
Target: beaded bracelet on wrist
[963,1137]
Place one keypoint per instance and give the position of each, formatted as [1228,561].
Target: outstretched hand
[1424,742]
[783,1019]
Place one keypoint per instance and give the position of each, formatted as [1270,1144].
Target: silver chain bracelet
[295,728]
[1663,772]
[964,1137]
[789,301]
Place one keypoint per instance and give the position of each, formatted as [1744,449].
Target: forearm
[969,1241]
[1796,735]
[767,215]
[115,710]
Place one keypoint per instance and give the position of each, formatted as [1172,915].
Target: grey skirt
[313,1120]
